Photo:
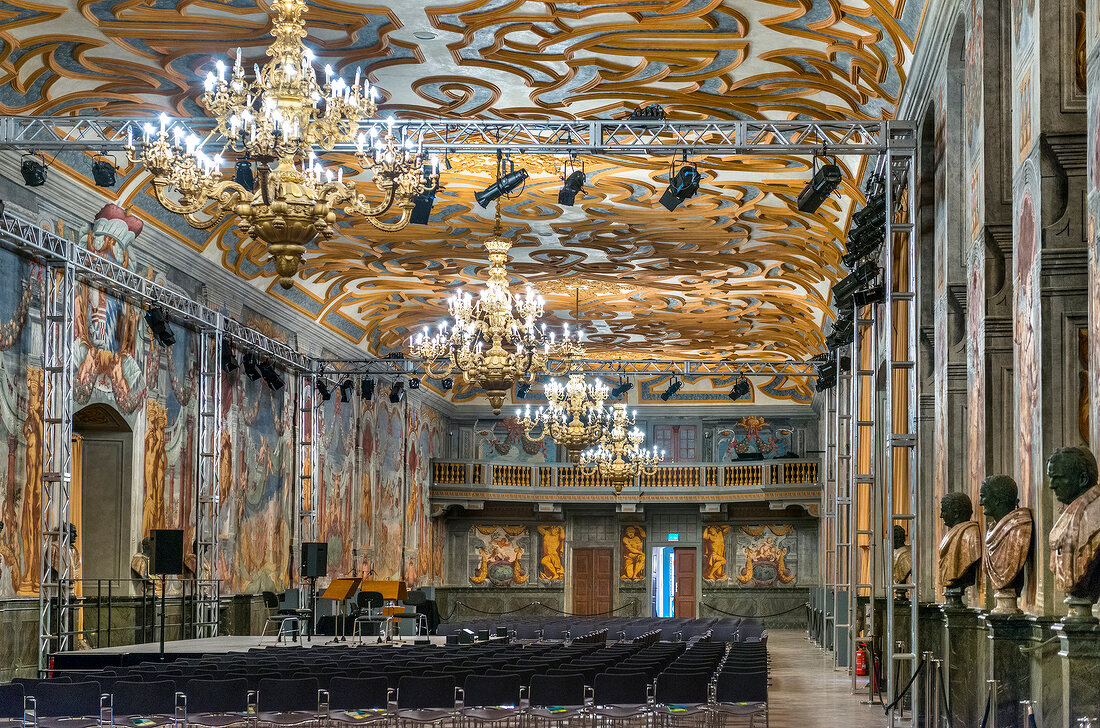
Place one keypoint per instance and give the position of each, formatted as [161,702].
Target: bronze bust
[1075,537]
[903,560]
[960,551]
[1007,540]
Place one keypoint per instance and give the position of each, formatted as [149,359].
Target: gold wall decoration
[551,553]
[633,566]
[714,552]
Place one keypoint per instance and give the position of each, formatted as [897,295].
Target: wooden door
[591,581]
[683,579]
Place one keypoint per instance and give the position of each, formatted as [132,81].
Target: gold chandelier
[494,341]
[620,457]
[272,125]
[575,417]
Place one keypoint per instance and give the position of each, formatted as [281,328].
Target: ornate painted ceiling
[734,272]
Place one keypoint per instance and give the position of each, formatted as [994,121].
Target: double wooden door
[591,581]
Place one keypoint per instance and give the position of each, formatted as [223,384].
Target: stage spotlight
[504,185]
[653,112]
[229,362]
[869,296]
[522,389]
[347,388]
[740,389]
[33,170]
[859,278]
[826,377]
[323,390]
[414,383]
[825,180]
[158,323]
[684,185]
[366,389]
[573,184]
[673,388]
[103,172]
[422,203]
[250,369]
[271,375]
[622,389]
[397,392]
[448,383]
[244,175]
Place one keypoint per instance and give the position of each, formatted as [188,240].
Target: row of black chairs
[721,629]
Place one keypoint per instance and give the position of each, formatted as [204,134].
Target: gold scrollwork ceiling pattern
[734,271]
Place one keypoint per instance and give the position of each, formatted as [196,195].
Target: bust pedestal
[953,595]
[1080,611]
[965,653]
[1080,653]
[1007,665]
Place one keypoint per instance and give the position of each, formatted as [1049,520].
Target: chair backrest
[30,684]
[229,695]
[483,690]
[357,693]
[271,600]
[557,690]
[415,693]
[56,699]
[748,687]
[11,700]
[144,698]
[369,600]
[682,687]
[615,688]
[276,695]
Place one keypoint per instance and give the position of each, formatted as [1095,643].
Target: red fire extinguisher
[861,661]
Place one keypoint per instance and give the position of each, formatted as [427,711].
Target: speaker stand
[312,608]
[163,592]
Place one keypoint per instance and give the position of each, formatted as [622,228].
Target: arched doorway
[102,462]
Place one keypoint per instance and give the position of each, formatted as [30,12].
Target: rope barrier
[988,702]
[757,616]
[905,690]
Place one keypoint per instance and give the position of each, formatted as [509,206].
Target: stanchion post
[934,676]
[992,703]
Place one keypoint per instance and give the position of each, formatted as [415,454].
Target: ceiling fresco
[736,271]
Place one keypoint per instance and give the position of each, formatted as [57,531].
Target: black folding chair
[740,695]
[618,698]
[13,712]
[682,700]
[218,703]
[146,704]
[492,700]
[358,701]
[556,700]
[288,702]
[58,704]
[427,700]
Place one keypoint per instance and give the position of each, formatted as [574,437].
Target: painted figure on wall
[498,553]
[766,557]
[714,552]
[1075,536]
[633,554]
[1007,540]
[553,548]
[7,565]
[152,511]
[29,523]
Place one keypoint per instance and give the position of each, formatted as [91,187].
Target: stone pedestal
[964,644]
[1007,665]
[1046,673]
[930,636]
[1080,653]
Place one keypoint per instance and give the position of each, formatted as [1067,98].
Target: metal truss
[845,515]
[534,136]
[207,490]
[306,435]
[55,596]
[620,367]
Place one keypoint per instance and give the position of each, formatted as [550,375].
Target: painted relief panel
[752,438]
[496,556]
[714,553]
[633,554]
[766,555]
[504,440]
[551,553]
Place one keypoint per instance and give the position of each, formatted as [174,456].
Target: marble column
[965,652]
[1007,665]
[1080,653]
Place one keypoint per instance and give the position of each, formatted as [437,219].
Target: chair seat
[12,723]
[342,716]
[290,717]
[217,720]
[682,709]
[741,708]
[490,714]
[426,715]
[142,721]
[68,722]
[544,714]
[619,711]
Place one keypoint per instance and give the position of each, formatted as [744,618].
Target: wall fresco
[497,555]
[766,555]
[1092,69]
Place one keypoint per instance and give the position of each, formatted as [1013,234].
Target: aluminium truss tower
[207,485]
[842,452]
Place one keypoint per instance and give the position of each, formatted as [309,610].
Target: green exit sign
[674,537]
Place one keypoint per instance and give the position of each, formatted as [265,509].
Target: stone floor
[806,691]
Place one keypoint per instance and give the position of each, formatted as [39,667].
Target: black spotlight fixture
[33,170]
[423,202]
[623,388]
[158,322]
[250,368]
[740,389]
[684,184]
[103,172]
[505,183]
[673,388]
[366,389]
[244,175]
[861,277]
[826,376]
[522,389]
[869,296]
[826,179]
[573,184]
[448,383]
[229,362]
[347,388]
[653,112]
[323,390]
[271,375]
[397,392]
[414,383]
